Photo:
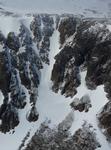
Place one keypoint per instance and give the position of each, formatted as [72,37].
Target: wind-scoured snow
[89,8]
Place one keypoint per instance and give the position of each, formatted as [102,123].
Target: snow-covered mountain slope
[55,75]
[89,8]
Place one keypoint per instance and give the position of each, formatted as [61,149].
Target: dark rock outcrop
[53,139]
[12,41]
[86,139]
[9,117]
[67,28]
[32,115]
[21,58]
[89,45]
[82,104]
[42,29]
[104,118]
[65,71]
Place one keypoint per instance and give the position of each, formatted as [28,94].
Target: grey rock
[32,115]
[82,104]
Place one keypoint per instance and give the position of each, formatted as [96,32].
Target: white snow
[21,50]
[26,20]
[97,8]
[109,27]
[1,48]
[67,122]
[9,24]
[51,105]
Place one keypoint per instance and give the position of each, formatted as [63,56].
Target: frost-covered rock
[18,96]
[42,29]
[82,104]
[36,28]
[66,124]
[85,138]
[53,139]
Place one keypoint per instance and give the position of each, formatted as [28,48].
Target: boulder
[82,104]
[32,115]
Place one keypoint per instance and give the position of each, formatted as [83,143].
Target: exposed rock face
[98,65]
[21,58]
[13,41]
[9,117]
[85,139]
[104,118]
[65,71]
[81,105]
[67,28]
[53,139]
[42,28]
[88,44]
[32,115]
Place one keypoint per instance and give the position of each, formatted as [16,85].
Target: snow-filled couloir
[55,82]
